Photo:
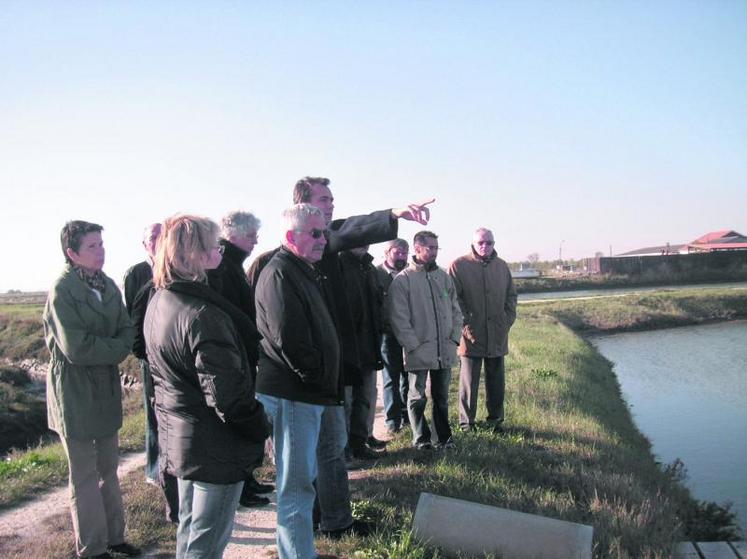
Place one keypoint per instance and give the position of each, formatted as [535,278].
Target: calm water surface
[587,293]
[687,388]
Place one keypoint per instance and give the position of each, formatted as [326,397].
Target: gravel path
[254,529]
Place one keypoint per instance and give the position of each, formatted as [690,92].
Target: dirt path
[23,521]
[254,529]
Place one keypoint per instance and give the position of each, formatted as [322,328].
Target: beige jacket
[487,298]
[425,317]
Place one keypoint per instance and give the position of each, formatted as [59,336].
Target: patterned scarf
[95,280]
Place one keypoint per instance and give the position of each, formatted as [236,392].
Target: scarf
[95,280]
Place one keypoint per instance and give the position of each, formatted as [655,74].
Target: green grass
[26,473]
[571,450]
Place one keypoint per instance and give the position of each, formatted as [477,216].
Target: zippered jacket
[425,317]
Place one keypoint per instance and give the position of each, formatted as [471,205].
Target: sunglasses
[315,233]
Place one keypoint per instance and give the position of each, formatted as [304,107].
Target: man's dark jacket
[229,279]
[342,234]
[134,279]
[300,350]
[209,422]
[365,299]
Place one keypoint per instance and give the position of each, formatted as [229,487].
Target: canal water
[687,390]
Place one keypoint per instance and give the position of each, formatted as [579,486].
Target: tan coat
[425,317]
[487,298]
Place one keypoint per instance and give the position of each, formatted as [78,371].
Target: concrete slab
[741,549]
[716,550]
[686,550]
[462,527]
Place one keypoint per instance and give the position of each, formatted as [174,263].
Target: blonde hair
[184,240]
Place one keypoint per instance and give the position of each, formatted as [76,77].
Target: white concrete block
[716,550]
[458,526]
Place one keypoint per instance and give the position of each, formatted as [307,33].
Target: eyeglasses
[315,233]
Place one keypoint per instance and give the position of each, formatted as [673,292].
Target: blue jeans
[206,512]
[417,400]
[332,479]
[395,382]
[151,424]
[296,427]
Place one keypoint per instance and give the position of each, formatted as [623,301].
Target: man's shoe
[357,528]
[424,446]
[498,428]
[250,500]
[466,428]
[448,445]
[258,488]
[393,429]
[376,444]
[124,548]
[362,452]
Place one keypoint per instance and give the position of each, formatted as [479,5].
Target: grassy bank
[571,450]
[575,283]
[637,312]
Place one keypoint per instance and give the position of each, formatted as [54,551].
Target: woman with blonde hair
[88,333]
[211,428]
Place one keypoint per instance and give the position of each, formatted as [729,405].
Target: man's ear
[289,238]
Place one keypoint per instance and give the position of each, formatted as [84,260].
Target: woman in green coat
[88,333]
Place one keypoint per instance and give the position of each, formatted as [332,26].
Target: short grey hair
[296,217]
[397,243]
[482,230]
[238,224]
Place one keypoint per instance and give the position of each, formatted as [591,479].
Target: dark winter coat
[210,426]
[300,355]
[365,299]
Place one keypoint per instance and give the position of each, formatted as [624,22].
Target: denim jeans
[417,400]
[151,424]
[360,402]
[206,512]
[332,479]
[469,386]
[295,427]
[395,382]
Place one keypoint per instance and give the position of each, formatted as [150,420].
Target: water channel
[687,390]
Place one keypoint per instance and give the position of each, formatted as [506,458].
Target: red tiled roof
[715,235]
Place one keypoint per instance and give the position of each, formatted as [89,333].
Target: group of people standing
[289,349]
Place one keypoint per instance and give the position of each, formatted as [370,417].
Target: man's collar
[429,267]
[479,258]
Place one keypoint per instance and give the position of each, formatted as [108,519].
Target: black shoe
[424,446]
[362,452]
[467,427]
[250,500]
[99,556]
[124,548]
[376,444]
[357,528]
[498,428]
[393,429]
[258,488]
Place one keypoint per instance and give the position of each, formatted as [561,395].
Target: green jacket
[87,339]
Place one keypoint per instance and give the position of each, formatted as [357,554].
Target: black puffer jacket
[365,300]
[300,354]
[210,426]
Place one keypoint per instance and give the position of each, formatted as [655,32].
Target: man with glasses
[336,518]
[393,374]
[425,317]
[299,370]
[488,300]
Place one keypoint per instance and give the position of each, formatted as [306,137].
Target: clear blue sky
[598,124]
